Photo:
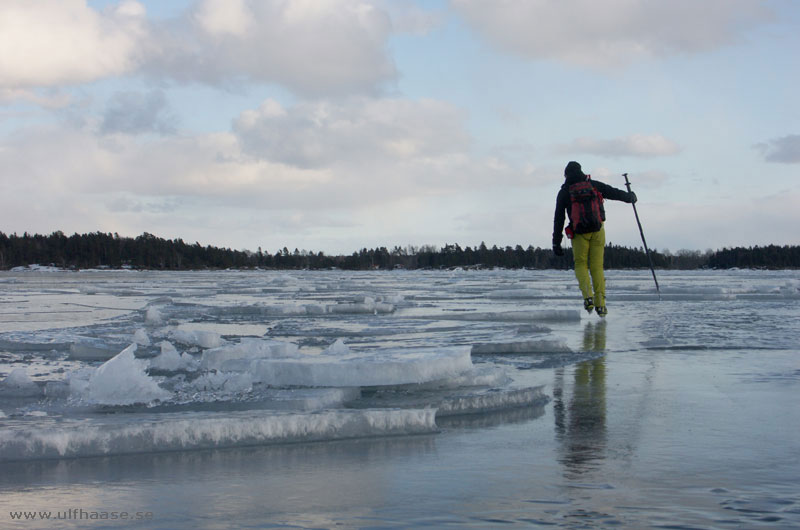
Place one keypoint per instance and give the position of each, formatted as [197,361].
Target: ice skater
[582,200]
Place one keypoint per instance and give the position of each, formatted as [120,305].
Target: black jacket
[562,202]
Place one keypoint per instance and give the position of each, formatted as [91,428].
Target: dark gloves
[632,197]
[557,250]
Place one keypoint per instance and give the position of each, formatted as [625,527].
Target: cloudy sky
[334,125]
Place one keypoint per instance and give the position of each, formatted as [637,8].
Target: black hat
[573,171]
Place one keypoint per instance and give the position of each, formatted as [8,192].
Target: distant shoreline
[148,252]
[45,269]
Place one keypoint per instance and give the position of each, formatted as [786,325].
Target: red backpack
[586,208]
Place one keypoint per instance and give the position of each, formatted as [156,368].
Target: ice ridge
[178,432]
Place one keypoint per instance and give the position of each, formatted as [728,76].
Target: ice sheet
[671,413]
[238,341]
[171,432]
[391,367]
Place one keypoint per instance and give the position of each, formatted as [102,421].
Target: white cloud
[379,149]
[784,150]
[209,166]
[363,162]
[211,189]
[329,47]
[221,17]
[312,47]
[51,42]
[61,179]
[336,156]
[636,145]
[380,132]
[610,33]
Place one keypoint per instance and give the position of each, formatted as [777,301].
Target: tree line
[100,250]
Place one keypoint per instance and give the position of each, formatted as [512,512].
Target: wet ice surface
[462,398]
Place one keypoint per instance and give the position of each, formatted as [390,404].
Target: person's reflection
[581,418]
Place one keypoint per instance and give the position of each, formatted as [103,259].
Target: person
[587,233]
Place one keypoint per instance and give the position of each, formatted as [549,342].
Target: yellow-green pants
[588,249]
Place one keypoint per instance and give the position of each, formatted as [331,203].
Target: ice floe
[169,360]
[391,367]
[122,380]
[239,355]
[177,431]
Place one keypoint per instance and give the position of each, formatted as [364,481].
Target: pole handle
[627,182]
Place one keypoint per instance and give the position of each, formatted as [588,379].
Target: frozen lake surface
[398,399]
